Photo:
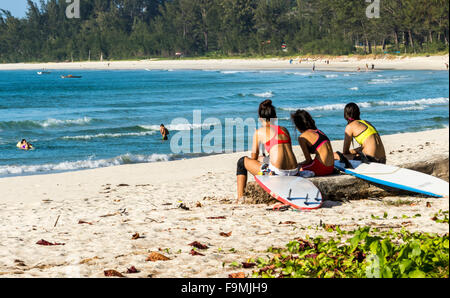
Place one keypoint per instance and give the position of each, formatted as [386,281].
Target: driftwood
[345,187]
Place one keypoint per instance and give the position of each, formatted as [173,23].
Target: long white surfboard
[297,192]
[397,177]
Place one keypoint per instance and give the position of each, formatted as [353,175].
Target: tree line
[138,29]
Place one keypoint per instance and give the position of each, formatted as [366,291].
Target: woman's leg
[244,166]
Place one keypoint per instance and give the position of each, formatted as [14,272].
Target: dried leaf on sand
[46,243]
[199,245]
[113,273]
[154,256]
[225,234]
[237,275]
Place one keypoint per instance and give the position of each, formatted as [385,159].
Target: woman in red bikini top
[277,143]
[314,141]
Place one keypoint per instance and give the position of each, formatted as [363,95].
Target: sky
[16,7]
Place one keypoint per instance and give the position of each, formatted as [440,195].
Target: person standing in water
[164,132]
[372,148]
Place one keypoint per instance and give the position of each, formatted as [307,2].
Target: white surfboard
[397,177]
[297,192]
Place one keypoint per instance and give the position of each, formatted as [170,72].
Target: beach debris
[183,206]
[198,245]
[196,253]
[113,273]
[20,263]
[56,222]
[132,270]
[428,205]
[154,256]
[136,236]
[217,217]
[287,223]
[120,212]
[225,234]
[248,265]
[237,275]
[122,185]
[198,205]
[85,261]
[46,243]
[82,222]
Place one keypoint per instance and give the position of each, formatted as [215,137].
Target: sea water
[109,118]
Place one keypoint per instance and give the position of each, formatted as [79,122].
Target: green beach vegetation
[367,253]
[142,29]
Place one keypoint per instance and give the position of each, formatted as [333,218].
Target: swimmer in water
[24,145]
[164,132]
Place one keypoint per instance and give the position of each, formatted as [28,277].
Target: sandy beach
[342,63]
[96,213]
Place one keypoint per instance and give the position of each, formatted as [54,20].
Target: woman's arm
[304,145]
[255,146]
[347,140]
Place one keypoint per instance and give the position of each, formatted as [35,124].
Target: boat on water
[71,77]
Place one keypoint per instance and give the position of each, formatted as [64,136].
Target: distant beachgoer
[365,134]
[367,67]
[446,65]
[290,61]
[314,67]
[24,145]
[358,69]
[277,143]
[164,132]
[313,141]
[373,66]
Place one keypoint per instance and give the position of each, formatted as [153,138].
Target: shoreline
[340,63]
[11,185]
[165,161]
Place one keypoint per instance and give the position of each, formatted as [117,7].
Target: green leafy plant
[368,253]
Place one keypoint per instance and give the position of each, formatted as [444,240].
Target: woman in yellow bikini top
[365,134]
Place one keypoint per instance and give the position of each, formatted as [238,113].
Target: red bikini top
[275,141]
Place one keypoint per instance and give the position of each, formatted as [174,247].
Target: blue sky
[16,7]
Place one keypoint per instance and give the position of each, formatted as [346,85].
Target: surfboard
[297,192]
[397,177]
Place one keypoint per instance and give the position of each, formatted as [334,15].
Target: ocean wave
[300,73]
[417,103]
[110,135]
[83,164]
[330,76]
[354,88]
[180,127]
[268,94]
[27,124]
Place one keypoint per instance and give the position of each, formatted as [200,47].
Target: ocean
[109,118]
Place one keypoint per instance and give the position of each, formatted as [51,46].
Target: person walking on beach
[313,141]
[314,67]
[365,134]
[164,132]
[277,143]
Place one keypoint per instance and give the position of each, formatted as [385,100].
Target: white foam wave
[331,76]
[83,164]
[417,103]
[180,127]
[354,88]
[56,122]
[110,135]
[268,94]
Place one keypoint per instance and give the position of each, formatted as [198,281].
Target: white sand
[342,63]
[30,206]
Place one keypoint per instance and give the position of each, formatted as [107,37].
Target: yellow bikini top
[365,134]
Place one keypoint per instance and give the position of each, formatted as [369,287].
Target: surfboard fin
[345,161]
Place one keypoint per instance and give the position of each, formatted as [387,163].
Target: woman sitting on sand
[313,141]
[372,148]
[277,143]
